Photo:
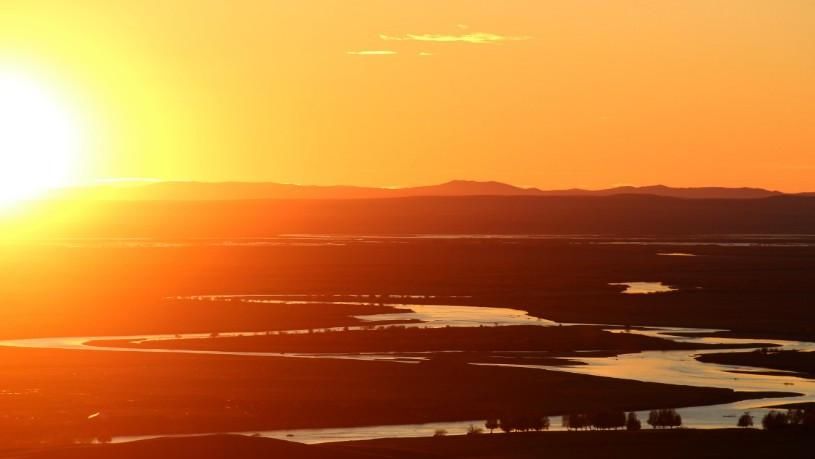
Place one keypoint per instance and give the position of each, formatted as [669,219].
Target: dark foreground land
[685,443]
[552,445]
[48,396]
[206,447]
[796,361]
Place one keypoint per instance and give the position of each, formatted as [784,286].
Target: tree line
[522,423]
[793,418]
[603,420]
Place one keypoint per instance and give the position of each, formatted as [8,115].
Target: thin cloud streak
[478,38]
[374,52]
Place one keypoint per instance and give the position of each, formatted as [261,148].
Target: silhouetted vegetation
[664,418]
[524,423]
[575,421]
[793,418]
[745,420]
[632,422]
[492,424]
[775,420]
[601,421]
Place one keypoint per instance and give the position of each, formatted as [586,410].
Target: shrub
[745,420]
[491,424]
[775,420]
[632,422]
[506,424]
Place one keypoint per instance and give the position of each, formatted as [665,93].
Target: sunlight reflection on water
[670,367]
[644,288]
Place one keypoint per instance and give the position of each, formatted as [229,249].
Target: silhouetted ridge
[210,191]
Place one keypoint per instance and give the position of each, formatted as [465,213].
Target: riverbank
[558,340]
[802,363]
[49,395]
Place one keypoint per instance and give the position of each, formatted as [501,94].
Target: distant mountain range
[216,191]
[234,209]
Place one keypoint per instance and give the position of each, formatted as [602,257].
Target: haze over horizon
[126,182]
[407,229]
[538,93]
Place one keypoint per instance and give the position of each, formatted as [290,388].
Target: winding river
[672,367]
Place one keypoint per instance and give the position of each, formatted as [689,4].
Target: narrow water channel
[671,367]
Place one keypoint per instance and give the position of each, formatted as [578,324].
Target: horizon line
[136,181]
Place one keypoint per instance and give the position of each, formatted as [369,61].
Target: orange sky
[384,92]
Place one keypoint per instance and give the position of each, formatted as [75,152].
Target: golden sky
[583,93]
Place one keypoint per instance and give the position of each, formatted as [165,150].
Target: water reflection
[309,240]
[436,316]
[681,367]
[643,288]
[670,367]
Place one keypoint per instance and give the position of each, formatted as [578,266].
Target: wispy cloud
[478,38]
[373,52]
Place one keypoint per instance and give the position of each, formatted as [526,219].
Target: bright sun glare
[39,139]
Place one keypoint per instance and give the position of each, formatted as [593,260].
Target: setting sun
[407,229]
[39,139]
